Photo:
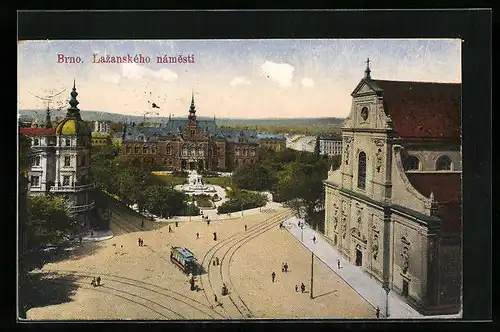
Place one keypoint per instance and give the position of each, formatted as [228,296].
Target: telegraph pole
[312,272]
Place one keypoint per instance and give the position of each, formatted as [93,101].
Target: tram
[183,259]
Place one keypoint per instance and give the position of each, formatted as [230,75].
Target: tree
[49,220]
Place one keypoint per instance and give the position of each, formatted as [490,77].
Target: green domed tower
[73,145]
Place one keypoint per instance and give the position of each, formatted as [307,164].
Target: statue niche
[405,255]
[375,246]
[378,163]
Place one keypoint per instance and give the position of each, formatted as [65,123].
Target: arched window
[169,149]
[68,142]
[412,163]
[200,150]
[443,163]
[184,150]
[153,150]
[37,161]
[36,141]
[137,150]
[144,149]
[362,170]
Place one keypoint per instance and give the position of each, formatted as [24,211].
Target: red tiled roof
[422,110]
[446,186]
[447,192]
[37,131]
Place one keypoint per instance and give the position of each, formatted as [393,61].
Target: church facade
[393,208]
[195,144]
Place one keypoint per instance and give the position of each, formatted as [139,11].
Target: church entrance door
[192,165]
[359,257]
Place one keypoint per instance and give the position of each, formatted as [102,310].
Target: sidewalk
[369,288]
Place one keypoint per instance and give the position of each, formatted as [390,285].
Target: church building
[393,208]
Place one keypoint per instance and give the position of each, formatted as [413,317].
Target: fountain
[195,185]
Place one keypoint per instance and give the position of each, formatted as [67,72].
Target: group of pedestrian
[302,287]
[96,281]
[140,242]
[206,218]
[284,267]
[216,261]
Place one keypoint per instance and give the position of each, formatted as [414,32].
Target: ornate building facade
[393,208]
[194,144]
[61,159]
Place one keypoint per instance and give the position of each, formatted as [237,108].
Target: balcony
[72,188]
[82,208]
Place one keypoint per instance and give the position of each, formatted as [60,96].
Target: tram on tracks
[183,259]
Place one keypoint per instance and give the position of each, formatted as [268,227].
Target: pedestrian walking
[215,236]
[215,295]
[217,260]
[314,238]
[81,240]
[98,281]
[142,222]
[139,242]
[142,243]
[378,312]
[197,235]
[282,267]
[296,288]
[245,227]
[338,263]
[94,282]
[169,229]
[273,276]
[285,267]
[92,233]
[302,287]
[176,224]
[213,262]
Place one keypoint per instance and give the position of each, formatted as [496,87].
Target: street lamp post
[312,272]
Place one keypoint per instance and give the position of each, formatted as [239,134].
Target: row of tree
[293,177]
[241,200]
[133,183]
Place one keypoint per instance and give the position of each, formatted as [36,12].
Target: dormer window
[67,161]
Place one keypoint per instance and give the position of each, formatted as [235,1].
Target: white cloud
[110,78]
[279,72]
[132,70]
[307,82]
[240,80]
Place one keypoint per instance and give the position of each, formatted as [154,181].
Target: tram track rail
[144,286]
[124,295]
[256,229]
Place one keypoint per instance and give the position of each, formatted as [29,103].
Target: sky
[258,78]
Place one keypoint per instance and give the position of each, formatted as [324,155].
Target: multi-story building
[393,208]
[193,144]
[61,158]
[330,145]
[272,141]
[101,134]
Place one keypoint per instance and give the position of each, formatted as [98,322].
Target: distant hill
[123,118]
